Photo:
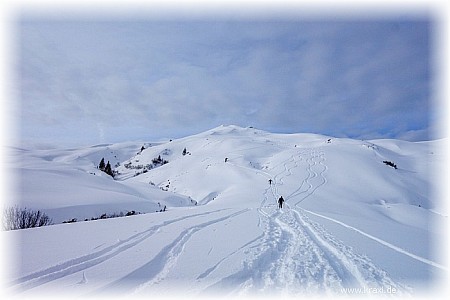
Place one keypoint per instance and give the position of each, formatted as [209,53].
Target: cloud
[346,78]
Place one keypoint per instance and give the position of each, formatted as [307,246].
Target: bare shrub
[15,217]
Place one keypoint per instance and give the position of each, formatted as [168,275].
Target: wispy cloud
[159,78]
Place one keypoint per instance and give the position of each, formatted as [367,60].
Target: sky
[85,81]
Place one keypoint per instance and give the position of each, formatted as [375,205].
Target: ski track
[81,263]
[243,247]
[296,255]
[292,255]
[159,267]
[358,267]
[387,244]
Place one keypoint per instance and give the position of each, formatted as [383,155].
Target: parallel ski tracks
[75,265]
[304,257]
[292,255]
[296,255]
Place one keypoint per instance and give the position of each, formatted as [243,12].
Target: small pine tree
[101,165]
[108,169]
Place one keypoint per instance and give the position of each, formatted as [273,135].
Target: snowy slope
[351,224]
[67,184]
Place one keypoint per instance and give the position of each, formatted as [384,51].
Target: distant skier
[270,181]
[280,202]
[226,159]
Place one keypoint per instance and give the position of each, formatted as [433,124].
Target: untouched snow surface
[351,225]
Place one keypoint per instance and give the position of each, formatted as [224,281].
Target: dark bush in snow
[74,220]
[390,163]
[161,208]
[107,216]
[159,161]
[185,152]
[20,218]
[156,162]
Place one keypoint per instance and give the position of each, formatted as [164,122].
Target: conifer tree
[102,165]
[108,169]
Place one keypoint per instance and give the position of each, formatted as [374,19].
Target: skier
[280,202]
[270,181]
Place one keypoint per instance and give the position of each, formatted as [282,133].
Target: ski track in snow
[296,255]
[292,255]
[387,244]
[81,263]
[159,267]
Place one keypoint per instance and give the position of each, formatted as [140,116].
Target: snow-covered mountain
[360,217]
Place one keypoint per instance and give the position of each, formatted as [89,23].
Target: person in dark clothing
[280,202]
[270,181]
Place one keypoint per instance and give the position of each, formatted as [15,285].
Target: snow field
[349,223]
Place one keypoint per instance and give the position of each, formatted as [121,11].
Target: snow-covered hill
[67,184]
[351,223]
